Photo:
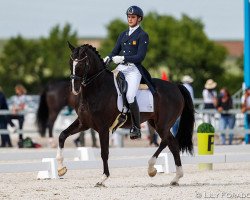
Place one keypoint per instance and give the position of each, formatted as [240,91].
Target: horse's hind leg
[174,148]
[151,169]
[72,129]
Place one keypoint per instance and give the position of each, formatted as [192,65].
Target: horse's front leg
[104,141]
[75,127]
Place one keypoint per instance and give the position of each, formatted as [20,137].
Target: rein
[85,81]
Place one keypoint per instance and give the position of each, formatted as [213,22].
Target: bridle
[85,81]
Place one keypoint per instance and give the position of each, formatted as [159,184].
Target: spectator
[187,83]
[245,106]
[4,120]
[153,136]
[19,104]
[210,99]
[225,103]
[80,140]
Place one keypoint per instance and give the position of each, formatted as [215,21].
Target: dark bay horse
[94,87]
[54,97]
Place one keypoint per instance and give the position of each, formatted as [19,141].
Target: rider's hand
[106,59]
[118,59]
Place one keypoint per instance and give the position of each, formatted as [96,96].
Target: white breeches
[133,78]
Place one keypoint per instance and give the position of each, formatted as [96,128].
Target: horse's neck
[98,96]
[102,87]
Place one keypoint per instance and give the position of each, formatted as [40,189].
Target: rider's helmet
[135,10]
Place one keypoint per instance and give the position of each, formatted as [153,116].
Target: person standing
[4,120]
[153,136]
[129,52]
[245,107]
[19,103]
[187,83]
[80,140]
[209,98]
[225,103]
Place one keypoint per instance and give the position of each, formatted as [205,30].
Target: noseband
[85,81]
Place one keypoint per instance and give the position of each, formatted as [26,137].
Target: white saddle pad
[144,98]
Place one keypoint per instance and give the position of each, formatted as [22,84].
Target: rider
[129,51]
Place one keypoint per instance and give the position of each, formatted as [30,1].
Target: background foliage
[34,62]
[205,128]
[177,46]
[181,47]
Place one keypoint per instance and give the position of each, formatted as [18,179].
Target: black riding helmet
[135,10]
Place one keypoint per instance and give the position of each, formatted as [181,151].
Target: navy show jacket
[134,48]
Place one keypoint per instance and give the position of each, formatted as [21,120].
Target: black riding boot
[135,131]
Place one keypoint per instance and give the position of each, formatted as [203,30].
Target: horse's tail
[42,114]
[186,126]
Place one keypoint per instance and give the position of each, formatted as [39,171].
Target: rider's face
[133,20]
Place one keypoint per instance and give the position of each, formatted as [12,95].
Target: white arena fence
[30,126]
[89,158]
[64,121]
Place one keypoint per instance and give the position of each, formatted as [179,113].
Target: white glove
[106,59]
[118,59]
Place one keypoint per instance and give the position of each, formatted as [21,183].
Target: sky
[223,19]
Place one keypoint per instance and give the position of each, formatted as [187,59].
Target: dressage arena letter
[210,142]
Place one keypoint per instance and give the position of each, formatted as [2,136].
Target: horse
[54,97]
[94,86]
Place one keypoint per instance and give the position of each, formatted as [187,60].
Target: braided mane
[94,50]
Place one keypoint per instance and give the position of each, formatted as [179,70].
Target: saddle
[122,86]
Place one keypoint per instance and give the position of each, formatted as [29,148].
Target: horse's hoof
[99,185]
[174,183]
[152,173]
[62,171]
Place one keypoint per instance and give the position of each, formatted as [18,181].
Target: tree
[114,29]
[18,63]
[240,62]
[233,77]
[55,52]
[34,62]
[180,45]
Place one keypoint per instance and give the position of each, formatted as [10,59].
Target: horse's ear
[71,46]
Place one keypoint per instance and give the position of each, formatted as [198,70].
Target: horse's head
[85,65]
